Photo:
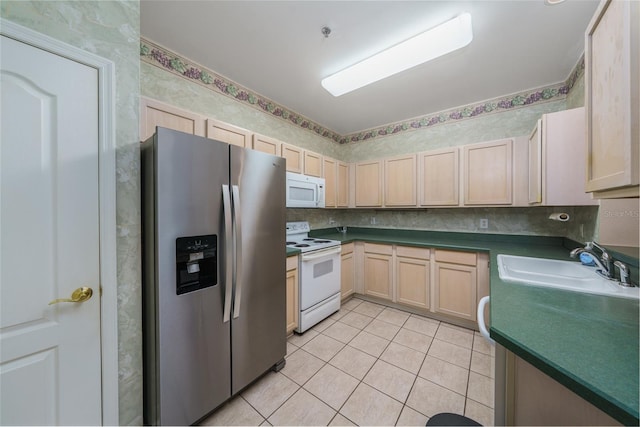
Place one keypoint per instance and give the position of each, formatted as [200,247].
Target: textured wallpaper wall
[110,29]
[528,221]
[168,87]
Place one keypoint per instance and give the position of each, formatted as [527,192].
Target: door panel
[258,334]
[49,239]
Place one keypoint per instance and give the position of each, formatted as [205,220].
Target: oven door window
[319,279]
[322,268]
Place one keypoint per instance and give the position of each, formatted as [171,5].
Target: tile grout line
[378,358]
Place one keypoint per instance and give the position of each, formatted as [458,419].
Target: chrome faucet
[604,261]
[624,274]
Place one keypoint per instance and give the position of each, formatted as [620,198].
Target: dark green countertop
[589,343]
[292,252]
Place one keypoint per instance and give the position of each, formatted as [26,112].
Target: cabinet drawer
[347,248]
[455,257]
[378,249]
[292,262]
[412,252]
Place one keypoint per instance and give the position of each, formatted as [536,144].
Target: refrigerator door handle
[228,251]
[235,193]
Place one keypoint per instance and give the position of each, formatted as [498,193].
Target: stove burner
[322,241]
[302,245]
[291,243]
[309,240]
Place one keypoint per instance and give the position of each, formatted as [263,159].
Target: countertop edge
[614,409]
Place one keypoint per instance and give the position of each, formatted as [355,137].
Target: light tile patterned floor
[371,365]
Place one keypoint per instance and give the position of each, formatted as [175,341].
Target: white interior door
[49,239]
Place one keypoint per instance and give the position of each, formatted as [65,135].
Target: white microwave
[304,191]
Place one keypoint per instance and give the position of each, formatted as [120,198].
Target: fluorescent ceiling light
[438,41]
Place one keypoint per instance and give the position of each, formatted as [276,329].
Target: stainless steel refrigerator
[213,275]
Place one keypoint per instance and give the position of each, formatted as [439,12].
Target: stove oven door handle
[320,254]
[228,252]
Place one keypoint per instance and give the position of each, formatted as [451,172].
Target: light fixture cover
[438,41]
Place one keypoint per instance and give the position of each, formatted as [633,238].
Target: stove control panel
[298,227]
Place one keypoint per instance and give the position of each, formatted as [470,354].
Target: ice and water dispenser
[196,263]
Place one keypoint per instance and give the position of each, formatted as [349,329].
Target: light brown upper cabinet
[400,181]
[155,113]
[293,156]
[412,276]
[342,185]
[230,134]
[488,173]
[312,164]
[266,144]
[556,176]
[368,183]
[329,172]
[439,177]
[612,93]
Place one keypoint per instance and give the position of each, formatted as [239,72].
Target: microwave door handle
[235,197]
[228,252]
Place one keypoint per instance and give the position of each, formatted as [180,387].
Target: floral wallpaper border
[163,58]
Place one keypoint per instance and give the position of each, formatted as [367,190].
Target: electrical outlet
[373,220]
[484,223]
[331,221]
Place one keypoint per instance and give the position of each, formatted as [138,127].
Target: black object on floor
[448,419]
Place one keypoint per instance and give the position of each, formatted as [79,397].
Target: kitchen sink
[567,275]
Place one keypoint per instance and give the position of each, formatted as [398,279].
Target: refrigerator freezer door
[258,339]
[192,339]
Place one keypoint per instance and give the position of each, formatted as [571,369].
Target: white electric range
[319,274]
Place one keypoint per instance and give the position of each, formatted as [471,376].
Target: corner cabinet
[555,178]
[292,293]
[488,173]
[612,95]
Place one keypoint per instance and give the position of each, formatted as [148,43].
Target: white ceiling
[276,49]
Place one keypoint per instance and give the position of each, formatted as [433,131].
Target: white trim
[107,183]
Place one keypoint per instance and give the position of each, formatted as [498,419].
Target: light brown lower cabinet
[456,284]
[378,269]
[534,398]
[412,276]
[347,271]
[437,281]
[292,293]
